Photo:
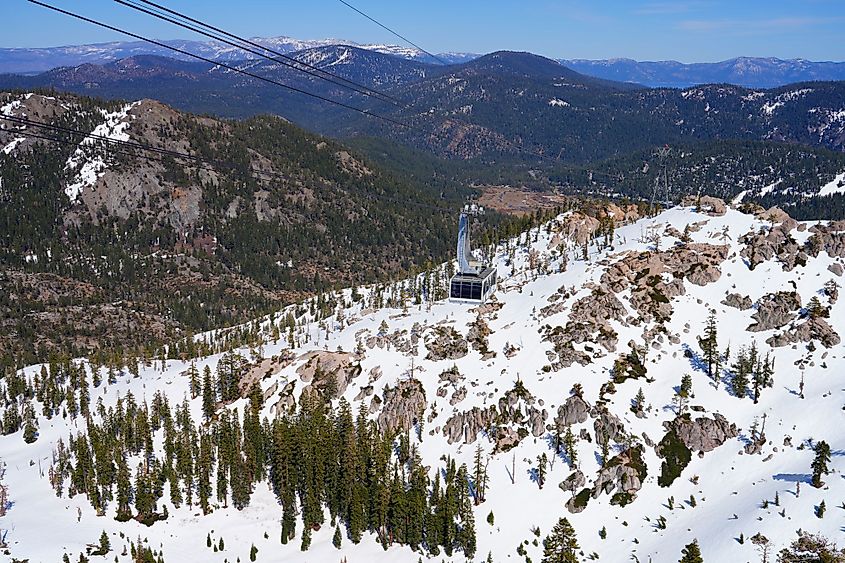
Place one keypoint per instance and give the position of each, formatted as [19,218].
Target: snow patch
[559,103]
[8,149]
[89,169]
[835,186]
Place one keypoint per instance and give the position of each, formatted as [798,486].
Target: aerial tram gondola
[474,282]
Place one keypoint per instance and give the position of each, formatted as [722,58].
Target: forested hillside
[98,246]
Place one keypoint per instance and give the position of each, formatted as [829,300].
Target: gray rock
[574,411]
[574,482]
[809,330]
[703,434]
[775,310]
[446,344]
[404,405]
[737,301]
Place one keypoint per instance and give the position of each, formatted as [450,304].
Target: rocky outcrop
[702,434]
[465,426]
[654,278]
[608,427]
[477,337]
[623,473]
[836,268]
[398,340]
[737,301]
[402,407]
[328,372]
[574,482]
[712,206]
[775,310]
[776,242]
[513,418]
[574,410]
[446,344]
[811,329]
[286,402]
[588,322]
[264,369]
[829,238]
[576,227]
[776,215]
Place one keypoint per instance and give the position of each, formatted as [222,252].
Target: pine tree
[691,553]
[194,376]
[709,344]
[819,465]
[30,429]
[741,372]
[208,397]
[561,546]
[337,538]
[542,463]
[638,405]
[569,447]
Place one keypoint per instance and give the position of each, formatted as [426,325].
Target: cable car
[473,283]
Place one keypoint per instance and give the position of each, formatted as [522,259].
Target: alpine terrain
[637,386]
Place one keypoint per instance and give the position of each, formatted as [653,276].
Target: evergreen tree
[742,369]
[820,463]
[208,394]
[561,546]
[709,344]
[691,553]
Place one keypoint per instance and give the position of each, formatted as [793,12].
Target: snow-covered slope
[558,322]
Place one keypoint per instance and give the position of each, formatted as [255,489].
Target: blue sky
[685,30]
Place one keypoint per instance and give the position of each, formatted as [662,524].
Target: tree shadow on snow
[794,478]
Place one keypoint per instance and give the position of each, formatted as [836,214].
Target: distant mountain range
[751,72]
[504,103]
[31,61]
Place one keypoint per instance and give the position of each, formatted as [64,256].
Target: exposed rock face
[702,434]
[265,368]
[477,336]
[646,273]
[623,473]
[446,344]
[737,301]
[400,340]
[830,238]
[811,329]
[576,227]
[403,406]
[712,206]
[513,418]
[774,310]
[286,401]
[779,216]
[775,242]
[574,482]
[324,370]
[588,322]
[608,426]
[574,411]
[465,426]
[836,268]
